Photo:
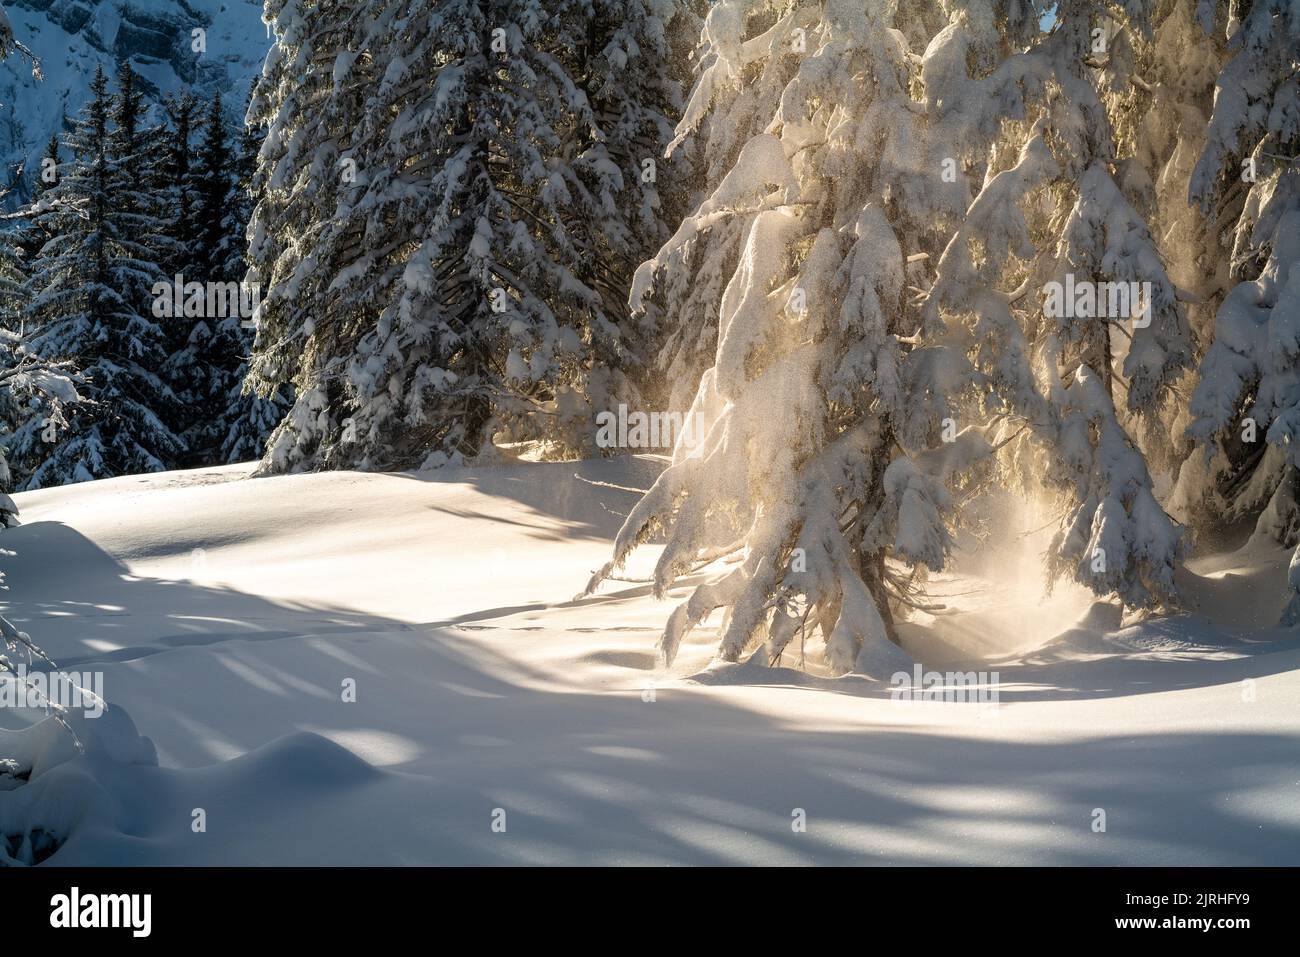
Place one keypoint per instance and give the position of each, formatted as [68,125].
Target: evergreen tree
[34,393]
[1163,101]
[679,296]
[208,361]
[36,396]
[1030,136]
[20,241]
[631,67]
[447,259]
[91,296]
[179,184]
[13,275]
[824,466]
[1246,407]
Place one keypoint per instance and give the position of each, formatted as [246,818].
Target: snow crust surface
[226,613]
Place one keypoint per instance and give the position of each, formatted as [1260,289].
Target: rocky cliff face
[73,37]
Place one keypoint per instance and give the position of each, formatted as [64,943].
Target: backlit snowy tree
[830,458]
[1039,276]
[1161,94]
[1246,406]
[680,299]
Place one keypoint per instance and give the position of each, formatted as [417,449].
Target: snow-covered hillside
[227,616]
[73,37]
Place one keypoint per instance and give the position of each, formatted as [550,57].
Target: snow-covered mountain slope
[227,616]
[73,37]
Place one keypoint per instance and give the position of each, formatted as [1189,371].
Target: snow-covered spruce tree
[293,205]
[35,398]
[1161,91]
[446,229]
[826,469]
[1246,406]
[736,82]
[34,393]
[177,181]
[633,70]
[208,362]
[1038,276]
[681,298]
[91,297]
[21,240]
[13,273]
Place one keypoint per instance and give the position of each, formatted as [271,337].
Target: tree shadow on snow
[549,489]
[82,605]
[454,738]
[687,779]
[245,700]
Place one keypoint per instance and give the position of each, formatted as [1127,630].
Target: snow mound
[38,748]
[59,784]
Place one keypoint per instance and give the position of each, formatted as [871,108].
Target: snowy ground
[227,614]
